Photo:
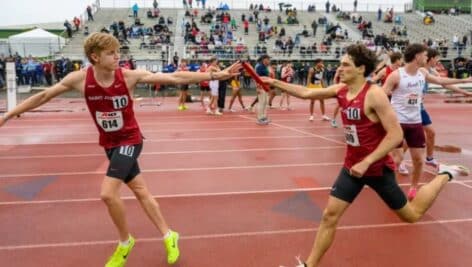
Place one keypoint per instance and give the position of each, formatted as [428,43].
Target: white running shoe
[402,169]
[312,118]
[453,170]
[218,113]
[334,124]
[432,162]
[299,264]
[325,118]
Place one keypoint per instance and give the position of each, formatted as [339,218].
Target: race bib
[350,132]
[109,121]
[413,100]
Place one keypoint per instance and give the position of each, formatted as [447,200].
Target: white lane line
[157,140]
[462,183]
[167,130]
[301,131]
[179,169]
[178,152]
[180,122]
[145,115]
[239,234]
[189,195]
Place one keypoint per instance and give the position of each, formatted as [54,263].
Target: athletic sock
[167,235]
[125,243]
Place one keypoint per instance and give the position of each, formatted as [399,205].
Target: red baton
[254,75]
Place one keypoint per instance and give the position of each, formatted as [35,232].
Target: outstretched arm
[452,87]
[303,92]
[379,76]
[443,81]
[69,82]
[185,77]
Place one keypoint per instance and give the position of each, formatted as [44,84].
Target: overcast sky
[17,12]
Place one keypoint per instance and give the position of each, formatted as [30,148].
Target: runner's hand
[359,169]
[229,72]
[267,80]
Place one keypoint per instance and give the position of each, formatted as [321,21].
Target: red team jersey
[388,70]
[362,135]
[112,110]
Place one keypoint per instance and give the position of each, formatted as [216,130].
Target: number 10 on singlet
[120,102]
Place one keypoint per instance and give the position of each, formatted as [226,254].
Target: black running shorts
[347,188]
[124,162]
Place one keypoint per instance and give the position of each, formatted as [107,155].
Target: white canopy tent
[37,43]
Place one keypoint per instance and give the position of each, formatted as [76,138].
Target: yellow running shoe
[118,259]
[172,247]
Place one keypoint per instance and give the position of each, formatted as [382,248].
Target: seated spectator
[282,32]
[305,32]
[169,20]
[137,22]
[279,19]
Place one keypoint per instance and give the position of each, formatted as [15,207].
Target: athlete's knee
[408,214]
[430,133]
[417,160]
[141,193]
[330,217]
[409,218]
[108,196]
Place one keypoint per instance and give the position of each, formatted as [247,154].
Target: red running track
[239,194]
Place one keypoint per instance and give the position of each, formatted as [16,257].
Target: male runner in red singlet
[108,91]
[396,61]
[372,131]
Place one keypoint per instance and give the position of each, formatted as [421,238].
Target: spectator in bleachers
[279,20]
[246,27]
[89,13]
[355,5]
[455,41]
[389,16]
[76,22]
[204,4]
[312,8]
[327,5]
[135,9]
[314,26]
[86,31]
[47,70]
[68,27]
[379,14]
